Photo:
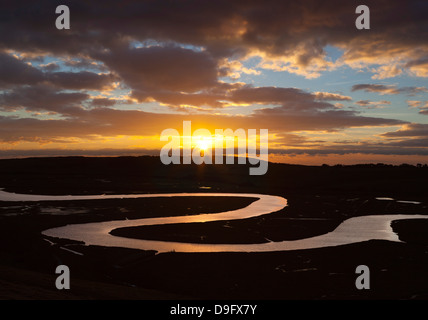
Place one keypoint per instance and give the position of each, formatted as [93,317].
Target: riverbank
[397,271]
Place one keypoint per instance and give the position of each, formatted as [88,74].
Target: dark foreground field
[319,199]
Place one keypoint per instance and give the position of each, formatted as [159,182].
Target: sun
[203,143]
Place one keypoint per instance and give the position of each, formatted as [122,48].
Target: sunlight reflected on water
[352,230]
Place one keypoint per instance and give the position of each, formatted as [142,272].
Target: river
[352,230]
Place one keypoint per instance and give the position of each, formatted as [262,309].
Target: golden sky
[125,71]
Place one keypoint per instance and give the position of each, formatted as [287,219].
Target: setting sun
[203,143]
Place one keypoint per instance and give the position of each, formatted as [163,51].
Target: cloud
[49,67]
[373,104]
[287,98]
[84,123]
[103,102]
[159,68]
[81,80]
[415,142]
[84,63]
[379,88]
[289,139]
[42,97]
[14,71]
[330,120]
[410,130]
[386,71]
[223,95]
[423,106]
[413,103]
[287,35]
[234,69]
[331,96]
[388,89]
[174,99]
[301,61]
[418,67]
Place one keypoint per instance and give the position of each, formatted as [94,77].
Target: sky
[127,70]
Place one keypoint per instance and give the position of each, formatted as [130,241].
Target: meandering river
[352,230]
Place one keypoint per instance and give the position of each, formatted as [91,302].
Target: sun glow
[203,143]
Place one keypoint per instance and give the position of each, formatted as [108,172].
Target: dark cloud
[288,98]
[109,122]
[42,98]
[158,68]
[410,130]
[81,80]
[14,71]
[331,120]
[178,99]
[225,28]
[285,31]
[291,99]
[103,102]
[416,142]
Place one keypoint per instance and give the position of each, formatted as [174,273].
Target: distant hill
[89,175]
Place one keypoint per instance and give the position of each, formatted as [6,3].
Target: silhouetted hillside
[86,175]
